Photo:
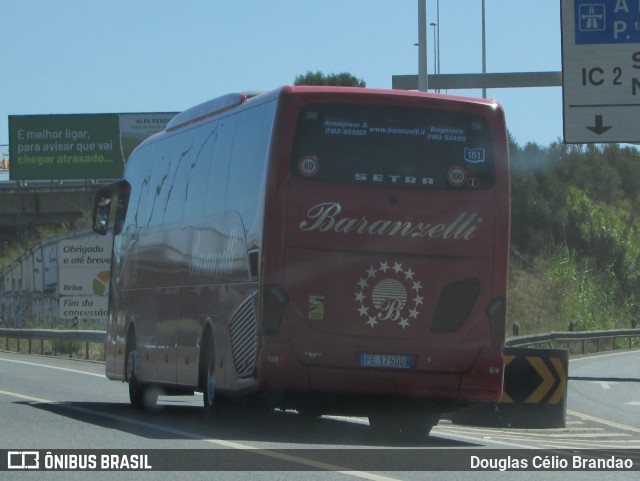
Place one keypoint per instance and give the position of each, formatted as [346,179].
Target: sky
[118,56]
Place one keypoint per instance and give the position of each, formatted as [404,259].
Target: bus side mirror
[116,194]
[101,211]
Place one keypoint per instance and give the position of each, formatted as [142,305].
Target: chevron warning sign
[535,376]
[534,394]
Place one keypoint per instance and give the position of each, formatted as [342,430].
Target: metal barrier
[549,338]
[54,335]
[534,340]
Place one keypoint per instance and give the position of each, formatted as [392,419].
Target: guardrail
[53,335]
[568,338]
[600,338]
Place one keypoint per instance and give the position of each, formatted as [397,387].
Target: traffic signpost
[601,70]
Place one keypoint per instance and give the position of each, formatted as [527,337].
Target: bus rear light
[274,301]
[497,313]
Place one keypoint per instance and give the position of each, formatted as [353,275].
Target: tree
[343,79]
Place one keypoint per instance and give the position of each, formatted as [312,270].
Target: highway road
[54,403]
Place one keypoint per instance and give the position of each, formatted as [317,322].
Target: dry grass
[533,298]
[67,349]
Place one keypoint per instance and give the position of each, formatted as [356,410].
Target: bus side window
[158,187]
[219,139]
[248,163]
[121,209]
[141,165]
[197,175]
[173,200]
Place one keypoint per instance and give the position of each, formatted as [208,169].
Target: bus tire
[141,395]
[412,426]
[382,425]
[211,402]
[418,428]
[309,414]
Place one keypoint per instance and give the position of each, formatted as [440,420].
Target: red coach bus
[330,250]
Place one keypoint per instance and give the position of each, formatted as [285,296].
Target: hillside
[575,237]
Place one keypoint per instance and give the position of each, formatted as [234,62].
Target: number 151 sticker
[474,156]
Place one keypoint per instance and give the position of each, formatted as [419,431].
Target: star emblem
[389,293]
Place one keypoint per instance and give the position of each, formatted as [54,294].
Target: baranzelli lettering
[326,217]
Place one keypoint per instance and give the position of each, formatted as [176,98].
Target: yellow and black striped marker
[534,394]
[535,376]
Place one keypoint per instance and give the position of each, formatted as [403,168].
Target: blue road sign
[607,21]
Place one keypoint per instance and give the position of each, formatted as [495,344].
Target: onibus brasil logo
[388,293]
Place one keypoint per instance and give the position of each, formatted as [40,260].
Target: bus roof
[230,101]
[373,91]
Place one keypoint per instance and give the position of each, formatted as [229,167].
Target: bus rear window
[393,147]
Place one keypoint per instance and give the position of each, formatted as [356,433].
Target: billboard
[77,146]
[4,162]
[83,277]
[66,278]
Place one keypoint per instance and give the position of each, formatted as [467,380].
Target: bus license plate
[385,360]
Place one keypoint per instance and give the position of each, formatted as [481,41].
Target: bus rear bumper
[281,370]
[485,380]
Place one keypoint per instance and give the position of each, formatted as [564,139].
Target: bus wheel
[211,402]
[411,426]
[309,413]
[417,428]
[141,395]
[383,425]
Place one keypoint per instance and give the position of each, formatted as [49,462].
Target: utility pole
[423,83]
[484,48]
[438,39]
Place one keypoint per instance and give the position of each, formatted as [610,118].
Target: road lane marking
[599,356]
[54,367]
[623,445]
[220,442]
[294,459]
[612,424]
[25,397]
[606,385]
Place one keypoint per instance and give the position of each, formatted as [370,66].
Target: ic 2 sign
[601,70]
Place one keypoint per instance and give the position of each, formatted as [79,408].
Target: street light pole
[435,44]
[438,28]
[484,48]
[423,82]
